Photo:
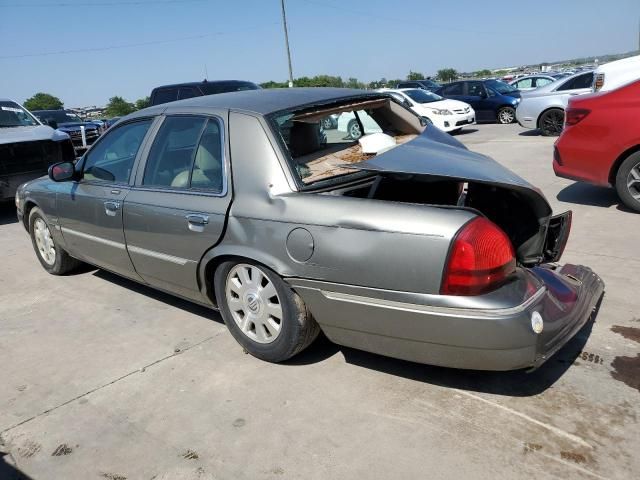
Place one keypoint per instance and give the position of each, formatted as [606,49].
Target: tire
[506,115]
[628,181]
[52,257]
[353,129]
[327,123]
[551,122]
[242,289]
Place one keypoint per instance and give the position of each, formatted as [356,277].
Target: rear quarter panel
[354,241]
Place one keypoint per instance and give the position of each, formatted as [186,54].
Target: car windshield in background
[13,115]
[59,116]
[500,87]
[422,96]
[224,87]
[364,128]
[430,84]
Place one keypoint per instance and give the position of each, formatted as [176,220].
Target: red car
[600,143]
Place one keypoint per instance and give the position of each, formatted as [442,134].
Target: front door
[176,211]
[90,210]
[477,96]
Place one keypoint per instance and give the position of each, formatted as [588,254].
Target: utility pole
[286,40]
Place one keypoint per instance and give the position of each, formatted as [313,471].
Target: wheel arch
[218,255]
[29,205]
[554,107]
[621,158]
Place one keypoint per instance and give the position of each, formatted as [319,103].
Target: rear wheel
[628,182]
[327,123]
[263,314]
[53,258]
[552,122]
[506,115]
[353,129]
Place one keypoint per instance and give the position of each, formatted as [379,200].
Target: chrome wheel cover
[254,303]
[44,242]
[633,182]
[506,116]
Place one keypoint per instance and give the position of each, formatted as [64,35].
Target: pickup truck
[27,148]
[83,134]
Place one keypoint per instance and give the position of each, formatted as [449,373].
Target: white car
[615,74]
[448,115]
[544,107]
[347,123]
[531,82]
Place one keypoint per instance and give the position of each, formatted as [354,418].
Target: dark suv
[425,84]
[180,91]
[491,99]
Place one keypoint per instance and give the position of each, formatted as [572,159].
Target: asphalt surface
[103,378]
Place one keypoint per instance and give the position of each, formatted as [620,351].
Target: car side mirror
[62,172]
[52,123]
[406,103]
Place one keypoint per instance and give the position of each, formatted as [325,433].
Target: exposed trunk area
[511,210]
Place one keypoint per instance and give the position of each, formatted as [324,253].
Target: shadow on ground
[591,195]
[518,383]
[8,471]
[166,298]
[465,131]
[531,133]
[7,213]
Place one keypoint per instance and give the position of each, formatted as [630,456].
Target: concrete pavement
[103,378]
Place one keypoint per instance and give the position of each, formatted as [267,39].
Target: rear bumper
[462,334]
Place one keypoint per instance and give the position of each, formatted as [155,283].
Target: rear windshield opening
[322,142]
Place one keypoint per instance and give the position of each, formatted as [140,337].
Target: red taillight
[481,258]
[575,115]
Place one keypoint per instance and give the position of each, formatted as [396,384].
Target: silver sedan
[401,242]
[543,108]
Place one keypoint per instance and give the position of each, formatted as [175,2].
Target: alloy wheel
[633,182]
[553,122]
[506,115]
[44,241]
[354,130]
[254,303]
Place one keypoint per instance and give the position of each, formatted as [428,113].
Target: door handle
[197,222]
[111,208]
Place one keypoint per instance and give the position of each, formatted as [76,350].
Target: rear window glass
[363,128]
[165,95]
[223,87]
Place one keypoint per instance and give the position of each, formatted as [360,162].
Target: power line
[98,3]
[129,45]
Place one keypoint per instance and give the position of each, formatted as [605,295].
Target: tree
[482,73]
[118,107]
[43,101]
[447,74]
[354,83]
[415,75]
[142,103]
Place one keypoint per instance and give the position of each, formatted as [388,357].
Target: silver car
[543,108]
[531,82]
[402,242]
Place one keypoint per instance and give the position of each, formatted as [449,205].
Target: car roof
[204,82]
[264,101]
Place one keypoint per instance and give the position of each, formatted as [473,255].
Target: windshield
[422,96]
[59,116]
[321,150]
[500,87]
[13,115]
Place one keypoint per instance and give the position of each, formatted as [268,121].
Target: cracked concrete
[90,372]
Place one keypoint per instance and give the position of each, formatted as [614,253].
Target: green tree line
[116,107]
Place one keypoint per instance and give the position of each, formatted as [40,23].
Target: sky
[86,51]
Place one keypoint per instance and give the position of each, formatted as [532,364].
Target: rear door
[90,210]
[177,209]
[478,97]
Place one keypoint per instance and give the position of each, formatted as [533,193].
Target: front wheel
[53,258]
[628,182]
[263,314]
[551,122]
[506,115]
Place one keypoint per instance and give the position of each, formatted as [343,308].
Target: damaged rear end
[503,301]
